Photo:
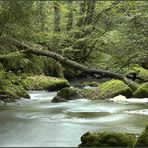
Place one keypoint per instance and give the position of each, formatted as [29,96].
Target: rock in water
[57,99]
[69,94]
[142,141]
[107,139]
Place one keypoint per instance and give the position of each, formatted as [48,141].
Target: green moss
[142,91]
[140,71]
[87,93]
[43,83]
[142,141]
[107,139]
[15,92]
[9,86]
[68,93]
[111,89]
[13,78]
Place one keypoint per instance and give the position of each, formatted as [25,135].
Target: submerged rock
[69,93]
[44,83]
[142,91]
[142,141]
[57,99]
[107,139]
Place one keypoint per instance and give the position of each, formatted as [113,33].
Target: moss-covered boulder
[9,91]
[142,141]
[141,73]
[42,82]
[69,93]
[142,91]
[14,92]
[110,89]
[107,139]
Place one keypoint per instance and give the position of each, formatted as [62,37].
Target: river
[38,122]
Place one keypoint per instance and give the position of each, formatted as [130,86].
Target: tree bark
[90,12]
[57,16]
[72,64]
[70,16]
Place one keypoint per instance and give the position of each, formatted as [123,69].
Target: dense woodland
[45,45]
[111,35]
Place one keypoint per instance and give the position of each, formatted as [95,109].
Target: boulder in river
[142,141]
[69,93]
[107,139]
[142,91]
[109,89]
[57,99]
[44,83]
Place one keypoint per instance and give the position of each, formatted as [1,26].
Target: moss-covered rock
[142,91]
[68,93]
[142,141]
[110,89]
[10,88]
[141,73]
[11,91]
[14,92]
[87,93]
[107,139]
[42,82]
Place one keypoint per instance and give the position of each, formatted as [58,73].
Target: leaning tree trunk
[72,64]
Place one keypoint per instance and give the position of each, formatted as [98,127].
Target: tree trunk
[56,16]
[82,13]
[70,16]
[72,64]
[90,12]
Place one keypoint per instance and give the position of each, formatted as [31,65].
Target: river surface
[40,123]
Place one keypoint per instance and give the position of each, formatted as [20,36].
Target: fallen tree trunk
[70,63]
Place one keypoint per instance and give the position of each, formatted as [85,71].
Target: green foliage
[116,29]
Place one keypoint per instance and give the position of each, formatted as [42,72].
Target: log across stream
[38,122]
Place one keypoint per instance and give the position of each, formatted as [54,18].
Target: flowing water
[38,122]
